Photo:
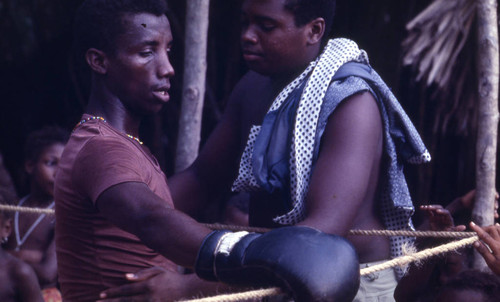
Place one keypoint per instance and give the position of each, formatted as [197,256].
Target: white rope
[256,294]
[27,209]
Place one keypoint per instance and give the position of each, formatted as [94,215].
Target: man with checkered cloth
[314,134]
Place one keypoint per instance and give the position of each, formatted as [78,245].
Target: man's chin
[150,110]
[259,69]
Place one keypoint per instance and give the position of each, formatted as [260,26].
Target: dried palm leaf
[437,41]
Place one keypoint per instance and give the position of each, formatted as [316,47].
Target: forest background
[41,85]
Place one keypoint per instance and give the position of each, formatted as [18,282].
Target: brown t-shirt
[92,253]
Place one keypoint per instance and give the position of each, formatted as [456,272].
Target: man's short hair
[99,22]
[305,11]
[483,282]
[40,139]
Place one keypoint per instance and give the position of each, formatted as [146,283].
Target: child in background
[18,281]
[32,239]
[470,285]
[423,282]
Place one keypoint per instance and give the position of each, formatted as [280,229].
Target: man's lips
[162,93]
[251,55]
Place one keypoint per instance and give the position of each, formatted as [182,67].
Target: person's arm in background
[27,284]
[214,169]
[489,245]
[466,202]
[419,277]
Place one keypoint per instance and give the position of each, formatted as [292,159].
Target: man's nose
[248,35]
[165,68]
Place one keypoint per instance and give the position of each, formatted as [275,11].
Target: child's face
[43,171]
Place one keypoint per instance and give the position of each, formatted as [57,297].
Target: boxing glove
[309,264]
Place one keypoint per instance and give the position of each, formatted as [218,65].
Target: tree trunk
[486,145]
[195,66]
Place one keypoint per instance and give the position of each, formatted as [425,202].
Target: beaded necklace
[102,119]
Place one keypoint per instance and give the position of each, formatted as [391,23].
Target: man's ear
[97,60]
[316,31]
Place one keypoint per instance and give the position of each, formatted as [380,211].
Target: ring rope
[439,234]
[256,294]
[424,254]
[243,296]
[26,209]
[400,261]
[218,226]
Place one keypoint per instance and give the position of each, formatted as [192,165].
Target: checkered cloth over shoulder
[401,141]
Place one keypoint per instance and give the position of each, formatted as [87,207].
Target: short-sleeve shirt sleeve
[104,162]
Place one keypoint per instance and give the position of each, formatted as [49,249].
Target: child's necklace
[102,119]
[20,241]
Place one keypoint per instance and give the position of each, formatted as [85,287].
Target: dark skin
[437,271]
[424,279]
[342,194]
[343,186]
[126,85]
[466,202]
[489,245]
[18,281]
[39,248]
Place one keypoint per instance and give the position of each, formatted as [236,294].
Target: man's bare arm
[133,207]
[213,170]
[347,167]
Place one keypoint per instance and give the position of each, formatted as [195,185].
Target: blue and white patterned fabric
[319,97]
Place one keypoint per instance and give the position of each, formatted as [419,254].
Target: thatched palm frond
[438,46]
[436,37]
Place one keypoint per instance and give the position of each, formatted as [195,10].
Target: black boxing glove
[311,265]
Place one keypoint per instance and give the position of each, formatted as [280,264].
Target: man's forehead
[265,2]
[131,21]
[269,9]
[136,27]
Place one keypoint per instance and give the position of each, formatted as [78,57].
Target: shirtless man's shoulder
[254,95]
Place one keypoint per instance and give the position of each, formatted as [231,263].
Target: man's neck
[279,81]
[102,103]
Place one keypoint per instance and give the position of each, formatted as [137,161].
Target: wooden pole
[195,66]
[486,146]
